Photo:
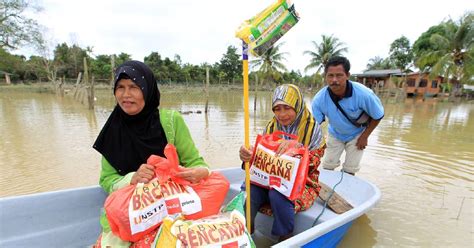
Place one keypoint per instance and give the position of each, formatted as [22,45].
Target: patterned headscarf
[305,126]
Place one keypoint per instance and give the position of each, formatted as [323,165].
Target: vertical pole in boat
[245,68]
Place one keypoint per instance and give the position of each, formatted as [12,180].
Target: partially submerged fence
[84,88]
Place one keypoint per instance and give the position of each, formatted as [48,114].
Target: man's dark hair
[338,60]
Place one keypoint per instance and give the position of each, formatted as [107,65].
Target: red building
[417,83]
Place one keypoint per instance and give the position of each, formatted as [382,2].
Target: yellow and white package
[267,27]
[226,229]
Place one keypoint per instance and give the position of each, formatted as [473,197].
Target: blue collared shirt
[357,99]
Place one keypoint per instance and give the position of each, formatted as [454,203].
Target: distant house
[418,83]
[6,76]
[468,87]
[379,78]
[421,84]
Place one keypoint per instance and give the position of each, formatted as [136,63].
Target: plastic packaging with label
[262,31]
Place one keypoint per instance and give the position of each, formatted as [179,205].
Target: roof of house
[380,73]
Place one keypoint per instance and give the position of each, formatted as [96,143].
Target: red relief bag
[145,242]
[136,210]
[286,173]
[211,191]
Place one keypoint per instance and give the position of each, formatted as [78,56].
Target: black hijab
[126,141]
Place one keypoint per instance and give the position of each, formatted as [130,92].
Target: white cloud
[200,31]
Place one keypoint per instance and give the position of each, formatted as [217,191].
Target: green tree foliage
[379,63]
[69,60]
[292,77]
[121,58]
[454,53]
[468,77]
[13,64]
[167,70]
[157,66]
[330,46]
[230,64]
[401,54]
[194,73]
[445,49]
[423,45]
[35,69]
[270,64]
[101,66]
[21,68]
[175,71]
[15,28]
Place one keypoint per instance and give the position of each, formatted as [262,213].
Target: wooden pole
[256,93]
[87,82]
[7,79]
[207,90]
[76,86]
[112,63]
[61,86]
[86,72]
[245,67]
[92,94]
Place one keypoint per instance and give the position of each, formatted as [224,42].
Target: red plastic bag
[286,173]
[211,190]
[145,242]
[137,210]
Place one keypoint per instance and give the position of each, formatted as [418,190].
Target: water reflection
[421,156]
[361,233]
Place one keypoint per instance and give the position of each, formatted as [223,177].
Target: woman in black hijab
[136,129]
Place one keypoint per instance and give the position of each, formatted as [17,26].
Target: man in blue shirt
[353,110]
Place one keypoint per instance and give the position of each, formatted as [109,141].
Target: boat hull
[330,239]
[70,218]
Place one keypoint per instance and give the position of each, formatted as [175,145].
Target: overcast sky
[200,31]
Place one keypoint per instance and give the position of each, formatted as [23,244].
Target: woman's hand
[143,175]
[245,154]
[193,175]
[285,145]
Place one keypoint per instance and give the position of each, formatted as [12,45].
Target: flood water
[421,156]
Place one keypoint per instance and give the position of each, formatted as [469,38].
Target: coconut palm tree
[270,63]
[329,46]
[454,53]
[379,63]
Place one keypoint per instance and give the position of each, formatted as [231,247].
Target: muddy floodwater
[421,156]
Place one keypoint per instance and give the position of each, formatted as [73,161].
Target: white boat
[70,218]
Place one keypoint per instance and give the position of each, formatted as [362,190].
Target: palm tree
[379,63]
[270,63]
[329,47]
[454,53]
